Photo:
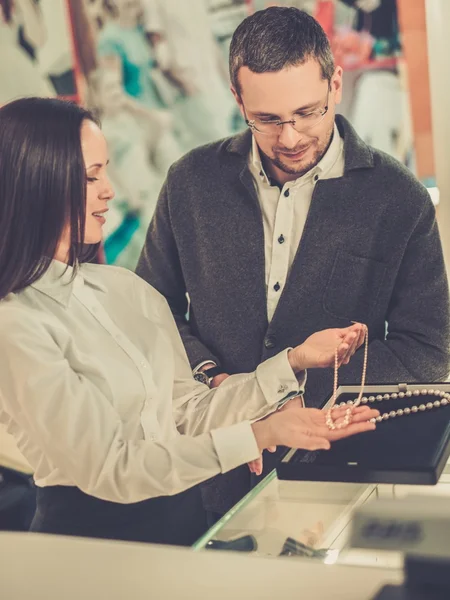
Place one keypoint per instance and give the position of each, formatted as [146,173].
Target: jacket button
[270,342]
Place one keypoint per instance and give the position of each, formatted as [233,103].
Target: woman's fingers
[352,429]
[357,331]
[360,413]
[314,442]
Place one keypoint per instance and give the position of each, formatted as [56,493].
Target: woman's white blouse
[96,387]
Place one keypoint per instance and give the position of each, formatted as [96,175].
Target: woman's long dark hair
[42,188]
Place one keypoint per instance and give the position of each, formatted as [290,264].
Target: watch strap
[213,371]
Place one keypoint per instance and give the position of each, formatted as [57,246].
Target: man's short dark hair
[278,37]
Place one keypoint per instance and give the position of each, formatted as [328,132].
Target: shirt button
[281,239]
[277,286]
[261,174]
[316,178]
[286,193]
[270,341]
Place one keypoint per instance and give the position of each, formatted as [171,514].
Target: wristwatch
[207,375]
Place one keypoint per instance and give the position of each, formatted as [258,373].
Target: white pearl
[424,392]
[442,394]
[364,400]
[407,411]
[409,393]
[385,416]
[349,401]
[416,392]
[444,402]
[422,407]
[437,393]
[392,414]
[430,392]
[414,409]
[386,396]
[400,413]
[437,403]
[429,405]
[379,397]
[371,398]
[394,396]
[372,420]
[401,394]
[379,419]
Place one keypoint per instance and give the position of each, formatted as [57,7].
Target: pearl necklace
[352,404]
[444,401]
[331,424]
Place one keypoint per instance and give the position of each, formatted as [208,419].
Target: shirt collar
[59,281]
[323,166]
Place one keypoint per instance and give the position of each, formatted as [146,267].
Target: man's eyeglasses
[301,122]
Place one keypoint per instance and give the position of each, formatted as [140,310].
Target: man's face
[286,95]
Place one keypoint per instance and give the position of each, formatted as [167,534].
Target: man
[294,226]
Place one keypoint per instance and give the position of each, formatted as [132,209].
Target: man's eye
[92,179]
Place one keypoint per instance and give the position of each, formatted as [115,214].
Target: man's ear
[238,100]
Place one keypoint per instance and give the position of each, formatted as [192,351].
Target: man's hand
[217,380]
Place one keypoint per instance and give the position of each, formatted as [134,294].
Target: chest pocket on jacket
[353,287]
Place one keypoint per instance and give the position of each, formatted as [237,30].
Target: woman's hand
[305,428]
[319,349]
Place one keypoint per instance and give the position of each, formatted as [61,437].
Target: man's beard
[301,170]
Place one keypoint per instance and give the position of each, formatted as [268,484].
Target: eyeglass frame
[323,111]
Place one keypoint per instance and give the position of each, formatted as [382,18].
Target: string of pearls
[330,422]
[443,401]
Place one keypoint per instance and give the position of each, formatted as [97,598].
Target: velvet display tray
[410,449]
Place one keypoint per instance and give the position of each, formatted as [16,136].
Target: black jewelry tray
[409,450]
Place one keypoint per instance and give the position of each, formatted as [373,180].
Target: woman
[95,384]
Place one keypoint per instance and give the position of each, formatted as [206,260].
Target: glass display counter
[301,518]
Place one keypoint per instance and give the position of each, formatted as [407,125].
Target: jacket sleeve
[418,324]
[159,265]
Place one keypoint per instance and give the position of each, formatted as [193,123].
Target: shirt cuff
[235,445]
[278,381]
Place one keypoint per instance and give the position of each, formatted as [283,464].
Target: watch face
[201,377]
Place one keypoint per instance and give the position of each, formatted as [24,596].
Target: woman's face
[98,188]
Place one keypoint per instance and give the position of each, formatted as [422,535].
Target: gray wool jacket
[370,252]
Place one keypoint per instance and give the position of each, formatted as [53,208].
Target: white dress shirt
[284,213]
[96,388]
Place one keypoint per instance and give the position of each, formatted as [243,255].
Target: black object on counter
[293,548]
[246,543]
